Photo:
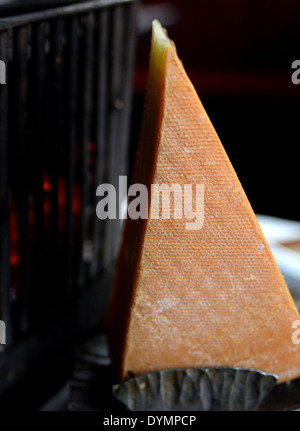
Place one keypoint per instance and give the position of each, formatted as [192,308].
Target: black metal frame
[63,131]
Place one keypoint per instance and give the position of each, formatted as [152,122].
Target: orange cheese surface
[208,297]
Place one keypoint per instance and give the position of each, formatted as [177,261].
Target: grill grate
[64,127]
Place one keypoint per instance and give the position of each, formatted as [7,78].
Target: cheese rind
[209,297]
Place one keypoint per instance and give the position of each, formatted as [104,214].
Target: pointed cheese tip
[159,45]
[159,32]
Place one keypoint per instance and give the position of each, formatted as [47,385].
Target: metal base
[91,387]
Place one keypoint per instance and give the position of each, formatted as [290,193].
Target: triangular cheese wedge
[207,297]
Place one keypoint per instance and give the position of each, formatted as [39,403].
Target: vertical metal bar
[130,11]
[122,103]
[55,133]
[4,197]
[115,131]
[72,61]
[115,103]
[38,81]
[85,135]
[101,128]
[21,181]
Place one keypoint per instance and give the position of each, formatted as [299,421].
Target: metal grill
[64,127]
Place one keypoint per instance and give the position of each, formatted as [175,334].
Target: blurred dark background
[238,55]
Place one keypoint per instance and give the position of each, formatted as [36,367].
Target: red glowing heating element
[14,228]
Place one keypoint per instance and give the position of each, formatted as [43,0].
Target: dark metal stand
[91,388]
